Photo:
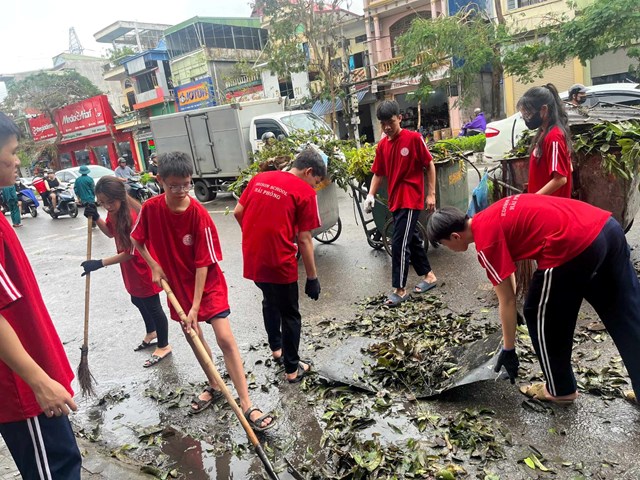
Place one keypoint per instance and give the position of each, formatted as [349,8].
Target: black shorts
[222,314]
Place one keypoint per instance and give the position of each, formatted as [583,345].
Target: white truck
[220,139]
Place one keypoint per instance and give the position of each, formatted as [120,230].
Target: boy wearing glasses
[187,250]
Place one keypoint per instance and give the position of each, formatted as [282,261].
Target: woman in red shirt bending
[122,214]
[550,153]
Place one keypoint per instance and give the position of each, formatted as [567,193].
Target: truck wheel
[203,192]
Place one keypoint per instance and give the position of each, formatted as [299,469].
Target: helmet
[153,155]
[122,159]
[577,88]
[266,136]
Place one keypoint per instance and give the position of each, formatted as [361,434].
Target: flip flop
[393,300]
[424,286]
[536,392]
[256,424]
[144,345]
[301,373]
[202,405]
[155,359]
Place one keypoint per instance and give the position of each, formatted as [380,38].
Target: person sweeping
[122,212]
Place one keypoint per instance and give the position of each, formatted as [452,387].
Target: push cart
[331,225]
[591,184]
[451,189]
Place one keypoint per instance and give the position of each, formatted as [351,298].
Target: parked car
[502,135]
[69,175]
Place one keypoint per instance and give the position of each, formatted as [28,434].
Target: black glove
[509,360]
[91,211]
[312,288]
[91,266]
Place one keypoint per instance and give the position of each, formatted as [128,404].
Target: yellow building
[530,15]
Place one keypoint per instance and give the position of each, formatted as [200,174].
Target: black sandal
[144,345]
[301,373]
[256,424]
[204,404]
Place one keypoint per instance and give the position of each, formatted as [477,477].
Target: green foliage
[48,91]
[315,24]
[287,148]
[359,162]
[145,178]
[117,53]
[474,143]
[618,143]
[462,45]
[600,27]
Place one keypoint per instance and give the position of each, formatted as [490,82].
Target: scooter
[136,190]
[154,188]
[29,203]
[66,204]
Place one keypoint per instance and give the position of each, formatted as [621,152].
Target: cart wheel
[330,235]
[387,238]
[375,240]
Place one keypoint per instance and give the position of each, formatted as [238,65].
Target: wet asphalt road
[594,432]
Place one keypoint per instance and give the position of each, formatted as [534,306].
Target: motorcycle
[136,190]
[66,204]
[29,203]
[154,188]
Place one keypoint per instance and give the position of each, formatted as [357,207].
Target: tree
[603,26]
[116,53]
[456,48]
[49,91]
[307,35]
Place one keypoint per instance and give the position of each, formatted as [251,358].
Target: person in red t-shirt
[581,252]
[35,376]
[550,153]
[136,274]
[187,255]
[401,158]
[274,209]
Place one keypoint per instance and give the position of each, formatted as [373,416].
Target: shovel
[210,368]
[348,363]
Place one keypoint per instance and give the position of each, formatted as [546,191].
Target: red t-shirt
[550,230]
[277,205]
[136,274]
[22,305]
[554,157]
[183,242]
[403,160]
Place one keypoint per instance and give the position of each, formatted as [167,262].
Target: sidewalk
[95,465]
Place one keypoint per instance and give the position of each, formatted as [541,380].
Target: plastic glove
[369,202]
[91,266]
[312,288]
[91,211]
[509,360]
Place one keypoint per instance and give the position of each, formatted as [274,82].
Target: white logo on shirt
[187,240]
[404,152]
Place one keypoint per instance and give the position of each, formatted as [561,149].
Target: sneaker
[56,210]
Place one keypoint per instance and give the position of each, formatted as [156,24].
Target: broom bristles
[85,378]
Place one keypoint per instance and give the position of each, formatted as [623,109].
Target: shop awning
[324,107]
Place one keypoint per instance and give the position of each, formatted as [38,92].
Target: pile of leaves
[417,352]
[289,147]
[475,143]
[617,142]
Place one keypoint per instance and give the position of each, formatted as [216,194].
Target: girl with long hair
[550,152]
[122,214]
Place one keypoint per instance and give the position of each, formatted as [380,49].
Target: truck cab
[284,123]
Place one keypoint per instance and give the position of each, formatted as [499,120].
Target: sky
[34,31]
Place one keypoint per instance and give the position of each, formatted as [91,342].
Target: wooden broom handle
[87,283]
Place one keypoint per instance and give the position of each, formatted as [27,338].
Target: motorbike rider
[49,196]
[124,172]
[577,94]
[475,126]
[153,165]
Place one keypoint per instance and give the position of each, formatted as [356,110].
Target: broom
[85,378]
[209,367]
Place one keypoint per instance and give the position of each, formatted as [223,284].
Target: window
[402,26]
[125,151]
[263,127]
[356,60]
[286,89]
[513,4]
[65,160]
[82,157]
[361,39]
[102,156]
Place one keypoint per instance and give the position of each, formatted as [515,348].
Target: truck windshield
[305,121]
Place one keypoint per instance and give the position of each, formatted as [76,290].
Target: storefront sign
[85,118]
[41,127]
[195,95]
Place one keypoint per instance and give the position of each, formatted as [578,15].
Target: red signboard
[41,127]
[83,119]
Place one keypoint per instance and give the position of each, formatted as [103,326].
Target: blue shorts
[43,448]
[222,314]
